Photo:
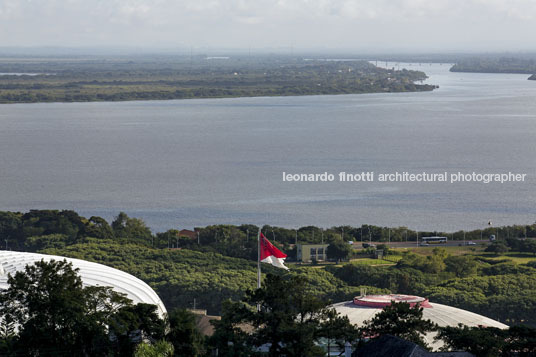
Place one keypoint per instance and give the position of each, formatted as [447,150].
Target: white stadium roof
[92,274]
[365,307]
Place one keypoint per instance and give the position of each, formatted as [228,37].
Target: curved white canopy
[92,274]
[443,315]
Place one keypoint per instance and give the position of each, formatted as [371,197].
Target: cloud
[266,22]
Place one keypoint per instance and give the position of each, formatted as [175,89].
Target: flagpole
[259,259]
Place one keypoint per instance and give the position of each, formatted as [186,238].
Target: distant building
[308,252]
[188,234]
[202,321]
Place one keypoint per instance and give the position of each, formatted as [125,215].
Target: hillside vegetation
[498,282]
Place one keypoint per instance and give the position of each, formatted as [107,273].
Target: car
[470,243]
[424,244]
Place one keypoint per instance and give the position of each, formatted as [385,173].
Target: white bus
[434,240]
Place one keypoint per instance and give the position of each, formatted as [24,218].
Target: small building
[202,321]
[188,234]
[307,253]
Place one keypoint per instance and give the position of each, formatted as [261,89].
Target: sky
[370,25]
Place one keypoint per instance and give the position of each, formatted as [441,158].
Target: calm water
[198,162]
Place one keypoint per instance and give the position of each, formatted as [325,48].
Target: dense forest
[220,263]
[168,77]
[47,311]
[486,64]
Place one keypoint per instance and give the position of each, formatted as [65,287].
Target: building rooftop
[364,308]
[381,301]
[92,274]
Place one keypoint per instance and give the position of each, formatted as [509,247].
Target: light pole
[198,238]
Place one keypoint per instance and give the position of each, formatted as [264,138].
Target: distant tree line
[496,65]
[40,229]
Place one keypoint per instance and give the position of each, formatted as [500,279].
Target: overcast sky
[423,25]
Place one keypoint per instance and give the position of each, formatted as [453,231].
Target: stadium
[92,274]
[364,307]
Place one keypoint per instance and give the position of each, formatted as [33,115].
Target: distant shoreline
[505,65]
[150,79]
[428,89]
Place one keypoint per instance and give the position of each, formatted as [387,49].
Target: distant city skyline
[371,25]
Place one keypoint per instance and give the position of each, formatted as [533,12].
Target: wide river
[185,163]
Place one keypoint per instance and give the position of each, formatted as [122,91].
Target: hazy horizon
[297,26]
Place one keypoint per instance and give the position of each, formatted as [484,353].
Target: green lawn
[456,250]
[392,259]
[476,250]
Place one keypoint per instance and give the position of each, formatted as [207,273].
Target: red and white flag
[270,254]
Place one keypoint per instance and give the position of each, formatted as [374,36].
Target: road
[413,244]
